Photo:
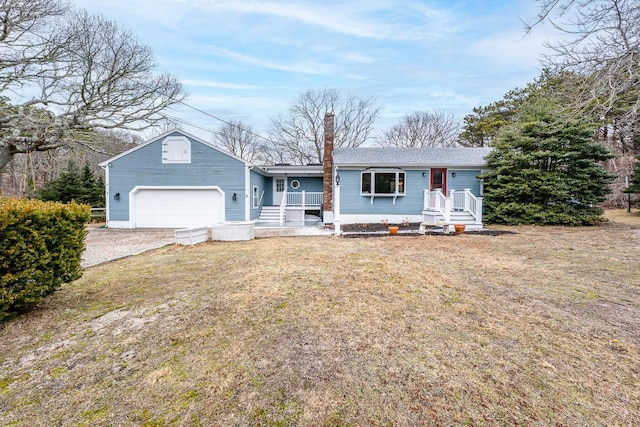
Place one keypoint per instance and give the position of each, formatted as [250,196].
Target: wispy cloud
[366,19]
[219,85]
[308,66]
[510,48]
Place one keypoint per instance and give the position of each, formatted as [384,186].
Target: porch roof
[295,170]
[399,157]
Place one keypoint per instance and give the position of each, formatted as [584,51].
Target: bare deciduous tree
[602,43]
[239,139]
[422,129]
[69,73]
[26,39]
[298,136]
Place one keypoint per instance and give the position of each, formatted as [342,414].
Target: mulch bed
[408,229]
[375,227]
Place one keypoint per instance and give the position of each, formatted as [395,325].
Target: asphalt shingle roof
[402,157]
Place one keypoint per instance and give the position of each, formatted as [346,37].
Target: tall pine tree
[546,170]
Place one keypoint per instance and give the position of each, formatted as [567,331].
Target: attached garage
[176,207]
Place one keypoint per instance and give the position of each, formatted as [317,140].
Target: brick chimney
[327,181]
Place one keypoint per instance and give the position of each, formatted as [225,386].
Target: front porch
[461,207]
[296,210]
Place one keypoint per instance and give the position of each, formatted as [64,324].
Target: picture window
[383,183]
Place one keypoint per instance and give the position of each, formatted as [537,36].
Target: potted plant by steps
[459,228]
[393,230]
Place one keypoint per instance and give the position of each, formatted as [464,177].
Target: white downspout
[247,193]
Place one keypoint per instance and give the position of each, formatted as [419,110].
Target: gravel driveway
[106,244]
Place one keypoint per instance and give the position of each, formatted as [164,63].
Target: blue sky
[249,60]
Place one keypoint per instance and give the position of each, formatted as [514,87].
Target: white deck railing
[457,201]
[311,199]
[304,198]
[436,201]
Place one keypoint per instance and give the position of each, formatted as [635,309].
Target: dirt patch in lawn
[538,327]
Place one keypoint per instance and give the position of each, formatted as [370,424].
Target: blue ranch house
[177,180]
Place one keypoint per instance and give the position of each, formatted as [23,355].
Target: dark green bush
[41,244]
[546,171]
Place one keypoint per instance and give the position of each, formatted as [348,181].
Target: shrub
[41,244]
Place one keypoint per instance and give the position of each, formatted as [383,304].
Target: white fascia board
[164,135]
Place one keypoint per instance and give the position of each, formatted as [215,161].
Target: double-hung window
[383,182]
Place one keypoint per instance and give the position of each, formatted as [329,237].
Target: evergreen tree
[75,184]
[634,185]
[546,171]
[483,125]
[92,188]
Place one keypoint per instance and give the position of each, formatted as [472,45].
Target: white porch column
[479,210]
[447,209]
[336,210]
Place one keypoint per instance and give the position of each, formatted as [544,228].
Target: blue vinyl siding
[464,179]
[409,204]
[312,184]
[351,202]
[268,194]
[208,167]
[264,188]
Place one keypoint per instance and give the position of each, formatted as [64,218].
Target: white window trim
[255,195]
[295,184]
[385,171]
[373,195]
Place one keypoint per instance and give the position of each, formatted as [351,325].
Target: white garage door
[182,207]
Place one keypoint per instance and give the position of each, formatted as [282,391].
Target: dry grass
[539,327]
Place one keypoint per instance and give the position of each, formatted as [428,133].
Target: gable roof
[397,157]
[166,134]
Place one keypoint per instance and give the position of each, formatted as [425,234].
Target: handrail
[458,200]
[473,205]
[261,197]
[443,205]
[283,205]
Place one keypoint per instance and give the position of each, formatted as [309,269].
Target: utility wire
[224,121]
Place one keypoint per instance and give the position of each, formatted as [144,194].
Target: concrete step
[269,214]
[456,217]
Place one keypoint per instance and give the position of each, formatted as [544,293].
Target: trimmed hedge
[41,245]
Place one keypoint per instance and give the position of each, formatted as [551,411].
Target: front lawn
[535,327]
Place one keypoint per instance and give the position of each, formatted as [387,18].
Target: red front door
[439,180]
